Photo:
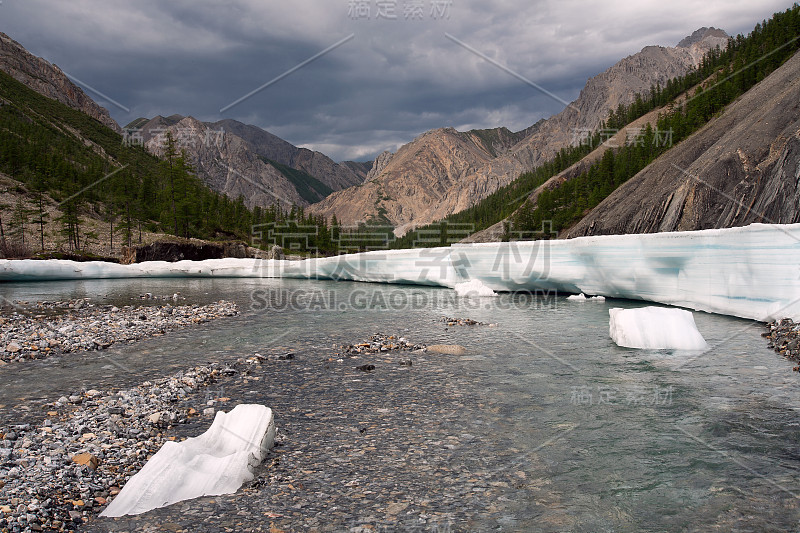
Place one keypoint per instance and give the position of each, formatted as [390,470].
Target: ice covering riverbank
[750,272]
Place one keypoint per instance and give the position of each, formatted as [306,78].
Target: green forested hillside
[725,75]
[57,151]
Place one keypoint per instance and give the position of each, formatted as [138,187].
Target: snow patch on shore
[217,462]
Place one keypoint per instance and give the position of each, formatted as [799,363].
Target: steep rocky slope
[224,162]
[414,191]
[419,179]
[742,167]
[335,175]
[49,80]
[236,159]
[619,84]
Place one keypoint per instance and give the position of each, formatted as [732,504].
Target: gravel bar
[55,328]
[379,435]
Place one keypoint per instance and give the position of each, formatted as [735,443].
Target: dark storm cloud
[392,81]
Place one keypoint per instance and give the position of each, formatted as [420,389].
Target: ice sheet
[217,462]
[750,272]
[655,328]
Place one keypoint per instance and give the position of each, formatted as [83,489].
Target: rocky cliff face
[225,162]
[742,167]
[48,80]
[415,191]
[231,157]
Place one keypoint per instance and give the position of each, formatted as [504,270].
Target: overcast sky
[396,76]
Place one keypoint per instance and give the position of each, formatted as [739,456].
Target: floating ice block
[473,288]
[655,328]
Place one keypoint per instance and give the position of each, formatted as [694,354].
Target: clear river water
[606,438]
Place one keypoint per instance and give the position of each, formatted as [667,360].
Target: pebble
[784,338]
[379,343]
[463,322]
[76,325]
[65,469]
[447,349]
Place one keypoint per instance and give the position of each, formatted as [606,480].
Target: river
[603,438]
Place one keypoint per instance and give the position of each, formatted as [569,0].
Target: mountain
[416,182]
[741,167]
[70,185]
[48,80]
[635,74]
[444,171]
[337,176]
[238,159]
[224,162]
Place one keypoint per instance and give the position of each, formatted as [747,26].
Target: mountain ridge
[235,158]
[741,167]
[407,196]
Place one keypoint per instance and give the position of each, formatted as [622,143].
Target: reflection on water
[606,438]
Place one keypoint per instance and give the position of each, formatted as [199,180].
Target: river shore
[352,449]
[44,329]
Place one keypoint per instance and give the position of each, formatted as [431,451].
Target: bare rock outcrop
[337,176]
[184,249]
[235,159]
[410,184]
[225,162]
[741,167]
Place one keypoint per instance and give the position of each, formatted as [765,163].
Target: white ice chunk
[655,328]
[217,462]
[582,298]
[473,288]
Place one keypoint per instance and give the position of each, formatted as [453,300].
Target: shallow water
[606,438]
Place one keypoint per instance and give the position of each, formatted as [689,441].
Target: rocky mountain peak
[444,171]
[380,163]
[702,34]
[48,80]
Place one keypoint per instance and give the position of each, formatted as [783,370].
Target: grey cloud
[394,80]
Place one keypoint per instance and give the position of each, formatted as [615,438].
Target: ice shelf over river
[750,272]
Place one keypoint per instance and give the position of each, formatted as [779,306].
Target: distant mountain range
[444,171]
[741,167]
